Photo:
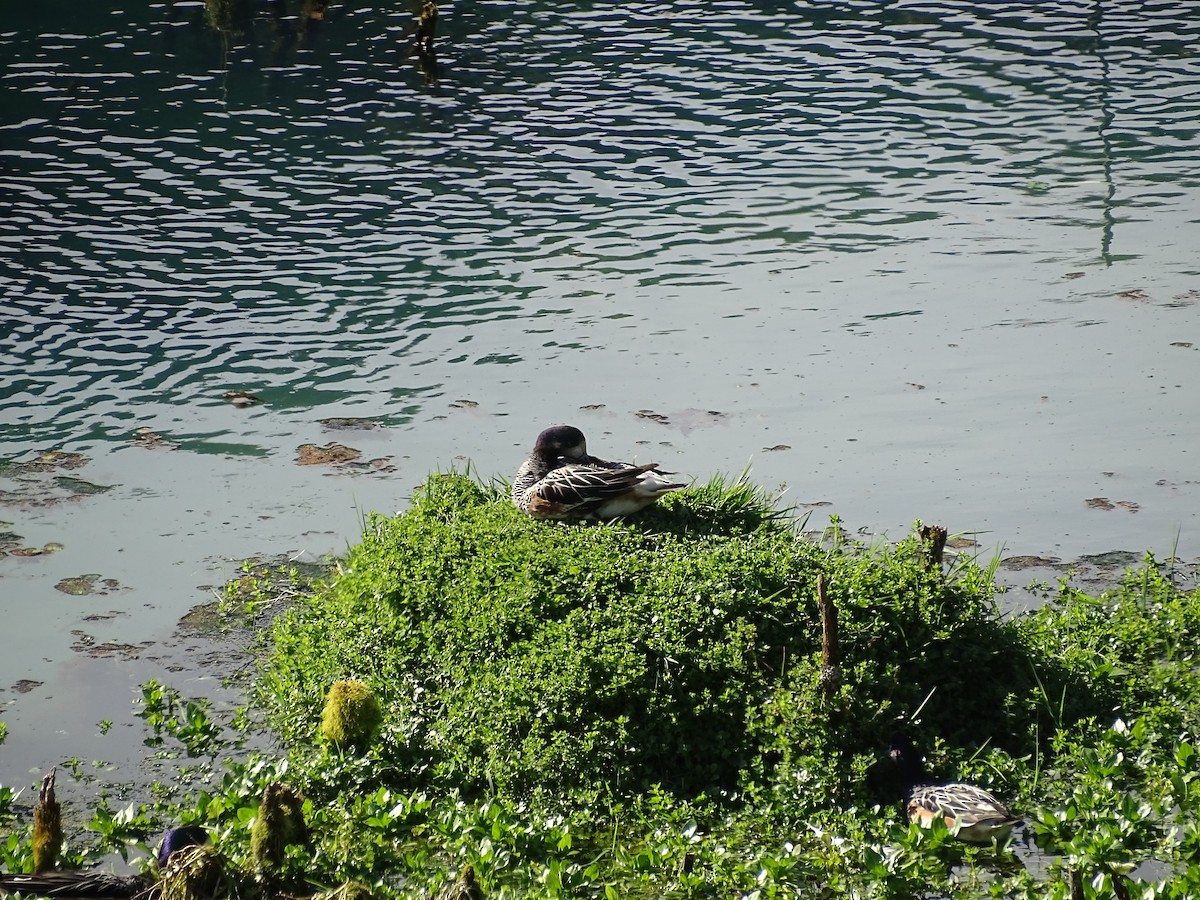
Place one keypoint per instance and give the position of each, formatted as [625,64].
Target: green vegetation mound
[680,649]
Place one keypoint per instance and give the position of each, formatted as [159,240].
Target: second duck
[970,812]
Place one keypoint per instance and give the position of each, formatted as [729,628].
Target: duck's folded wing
[966,803]
[574,485]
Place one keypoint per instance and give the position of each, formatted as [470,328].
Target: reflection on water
[940,257]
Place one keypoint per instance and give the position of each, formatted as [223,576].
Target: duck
[971,813]
[105,885]
[561,481]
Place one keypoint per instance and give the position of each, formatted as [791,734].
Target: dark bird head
[181,838]
[907,759]
[566,441]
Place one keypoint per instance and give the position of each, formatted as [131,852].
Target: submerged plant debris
[341,458]
[81,585]
[241,399]
[1030,562]
[685,420]
[347,423]
[44,461]
[77,487]
[51,547]
[9,540]
[1106,504]
[203,619]
[145,437]
[38,482]
[331,453]
[88,645]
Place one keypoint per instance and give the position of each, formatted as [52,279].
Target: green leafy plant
[167,712]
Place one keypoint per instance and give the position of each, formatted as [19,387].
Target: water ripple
[276,202]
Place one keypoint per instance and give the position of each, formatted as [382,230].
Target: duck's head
[900,746]
[906,757]
[566,441]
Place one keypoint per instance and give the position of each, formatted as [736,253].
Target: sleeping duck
[560,480]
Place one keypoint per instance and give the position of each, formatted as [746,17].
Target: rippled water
[940,257]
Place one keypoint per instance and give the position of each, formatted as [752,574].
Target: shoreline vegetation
[694,702]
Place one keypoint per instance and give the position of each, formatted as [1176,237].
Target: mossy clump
[278,825]
[351,715]
[196,873]
[47,827]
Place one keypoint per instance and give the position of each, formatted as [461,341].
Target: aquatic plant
[676,649]
[165,711]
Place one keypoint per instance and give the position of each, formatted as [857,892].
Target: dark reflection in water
[288,192]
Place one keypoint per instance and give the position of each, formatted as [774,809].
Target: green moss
[197,873]
[351,715]
[47,827]
[278,825]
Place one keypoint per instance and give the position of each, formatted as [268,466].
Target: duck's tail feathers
[652,484]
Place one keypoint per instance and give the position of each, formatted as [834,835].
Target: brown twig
[933,545]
